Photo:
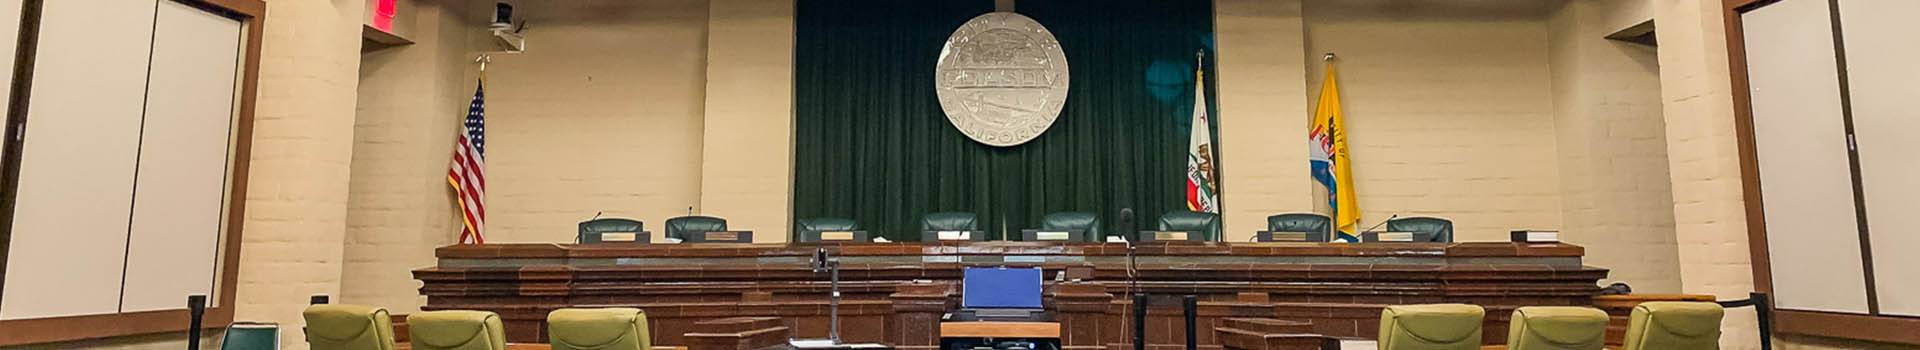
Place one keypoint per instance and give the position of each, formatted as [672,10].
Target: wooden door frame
[1872,326]
[252,15]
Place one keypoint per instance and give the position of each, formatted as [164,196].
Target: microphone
[1126,223]
[689,210]
[1382,223]
[596,215]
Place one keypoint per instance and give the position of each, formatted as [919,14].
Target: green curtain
[872,144]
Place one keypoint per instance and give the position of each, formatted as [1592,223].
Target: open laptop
[1000,294]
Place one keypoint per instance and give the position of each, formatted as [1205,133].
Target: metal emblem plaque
[1001,79]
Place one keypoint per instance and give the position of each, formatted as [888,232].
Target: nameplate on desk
[1388,237]
[642,237]
[836,236]
[1287,237]
[955,235]
[726,237]
[1169,236]
[1037,235]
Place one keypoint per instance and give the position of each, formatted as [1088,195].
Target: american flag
[468,174]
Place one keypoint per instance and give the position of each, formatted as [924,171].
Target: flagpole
[483,60]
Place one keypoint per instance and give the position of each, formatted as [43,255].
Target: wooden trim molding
[1890,329]
[252,14]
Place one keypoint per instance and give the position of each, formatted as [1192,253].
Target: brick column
[302,151]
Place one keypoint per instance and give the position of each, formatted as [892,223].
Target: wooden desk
[1000,330]
[895,293]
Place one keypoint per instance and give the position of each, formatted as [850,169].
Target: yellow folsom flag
[1330,164]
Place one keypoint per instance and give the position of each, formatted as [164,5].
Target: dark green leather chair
[1208,224]
[1431,327]
[808,230]
[1557,328]
[1441,230]
[1663,325]
[1300,222]
[1087,223]
[950,221]
[251,336]
[687,226]
[609,225]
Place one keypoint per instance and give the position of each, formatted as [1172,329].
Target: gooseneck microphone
[1382,223]
[1126,224]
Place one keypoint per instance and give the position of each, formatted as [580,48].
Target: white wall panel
[1800,139]
[179,193]
[1883,66]
[76,174]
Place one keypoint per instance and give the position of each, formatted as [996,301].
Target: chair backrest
[808,230]
[1557,328]
[687,226]
[1300,222]
[1663,325]
[1087,223]
[1431,327]
[1441,230]
[598,329]
[1208,224]
[348,327]
[456,330]
[251,336]
[611,225]
[950,221]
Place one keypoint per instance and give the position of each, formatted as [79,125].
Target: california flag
[1201,196]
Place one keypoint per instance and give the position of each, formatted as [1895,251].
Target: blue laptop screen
[999,287]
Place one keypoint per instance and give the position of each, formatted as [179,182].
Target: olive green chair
[1431,327]
[950,221]
[348,327]
[598,329]
[1300,222]
[808,230]
[1437,229]
[1672,325]
[1208,224]
[456,330]
[1557,328]
[687,226]
[1087,223]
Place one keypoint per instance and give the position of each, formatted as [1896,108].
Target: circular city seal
[1001,79]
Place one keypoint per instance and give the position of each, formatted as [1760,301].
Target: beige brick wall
[302,150]
[1617,200]
[411,99]
[1448,109]
[602,113]
[1264,110]
[747,165]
